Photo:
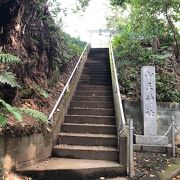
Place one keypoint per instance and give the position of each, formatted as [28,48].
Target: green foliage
[81,5]
[54,77]
[160,58]
[61,46]
[5,76]
[75,45]
[167,92]
[13,110]
[2,120]
[154,18]
[146,38]
[41,91]
[35,114]
[8,78]
[18,113]
[118,2]
[9,59]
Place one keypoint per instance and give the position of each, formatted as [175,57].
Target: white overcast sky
[93,18]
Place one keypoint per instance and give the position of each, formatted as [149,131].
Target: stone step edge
[93,96]
[62,134]
[84,108]
[80,91]
[74,101]
[85,148]
[93,116]
[90,125]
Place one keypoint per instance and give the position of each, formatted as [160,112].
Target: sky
[93,18]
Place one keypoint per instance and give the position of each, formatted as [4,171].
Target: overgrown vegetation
[147,36]
[9,79]
[41,52]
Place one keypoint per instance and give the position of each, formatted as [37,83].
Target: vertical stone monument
[148,100]
[148,103]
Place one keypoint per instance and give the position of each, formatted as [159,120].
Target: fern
[9,59]
[8,78]
[13,110]
[41,91]
[35,114]
[17,113]
[2,120]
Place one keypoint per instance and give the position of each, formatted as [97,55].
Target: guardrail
[66,87]
[124,132]
[120,119]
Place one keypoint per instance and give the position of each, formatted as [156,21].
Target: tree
[148,15]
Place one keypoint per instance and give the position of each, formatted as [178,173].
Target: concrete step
[86,152]
[93,93]
[94,83]
[87,139]
[84,119]
[91,111]
[92,62]
[99,80]
[100,61]
[92,104]
[86,76]
[98,73]
[73,169]
[93,88]
[88,128]
[93,98]
[97,65]
[99,57]
[94,70]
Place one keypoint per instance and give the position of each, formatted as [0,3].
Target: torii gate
[99,41]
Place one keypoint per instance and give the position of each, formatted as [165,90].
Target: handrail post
[173,137]
[131,170]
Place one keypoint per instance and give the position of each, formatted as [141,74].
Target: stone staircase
[87,143]
[89,130]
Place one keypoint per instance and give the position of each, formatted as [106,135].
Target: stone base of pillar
[151,140]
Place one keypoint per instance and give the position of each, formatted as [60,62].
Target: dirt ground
[155,166]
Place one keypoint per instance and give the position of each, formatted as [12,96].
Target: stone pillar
[148,103]
[148,100]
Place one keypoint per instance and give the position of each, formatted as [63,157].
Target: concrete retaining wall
[22,151]
[165,110]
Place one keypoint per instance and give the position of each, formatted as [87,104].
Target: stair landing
[73,169]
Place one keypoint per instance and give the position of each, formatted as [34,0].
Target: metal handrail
[50,118]
[120,119]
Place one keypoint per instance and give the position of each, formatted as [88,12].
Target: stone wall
[165,110]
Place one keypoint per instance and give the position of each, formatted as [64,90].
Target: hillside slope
[47,56]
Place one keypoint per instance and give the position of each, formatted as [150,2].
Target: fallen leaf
[163,171]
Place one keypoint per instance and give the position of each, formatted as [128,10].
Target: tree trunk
[175,33]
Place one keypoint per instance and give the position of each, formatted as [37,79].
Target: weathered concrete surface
[153,148]
[68,169]
[22,151]
[151,140]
